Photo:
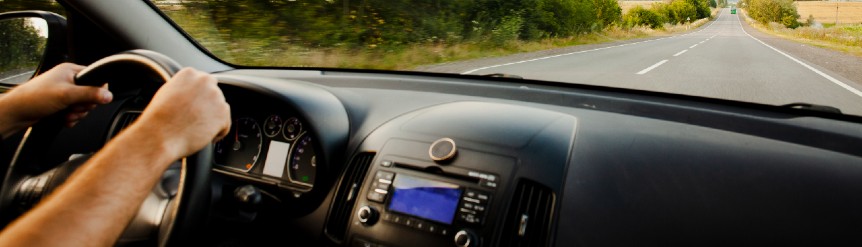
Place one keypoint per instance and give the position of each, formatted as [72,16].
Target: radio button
[384,175]
[377,197]
[432,228]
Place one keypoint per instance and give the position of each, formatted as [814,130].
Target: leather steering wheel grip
[155,67]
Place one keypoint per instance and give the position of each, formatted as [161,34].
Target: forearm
[9,125]
[99,199]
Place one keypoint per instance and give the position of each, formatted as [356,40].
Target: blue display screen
[424,198]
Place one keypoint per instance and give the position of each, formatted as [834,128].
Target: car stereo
[432,205]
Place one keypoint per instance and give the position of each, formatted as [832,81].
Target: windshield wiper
[814,108]
[504,75]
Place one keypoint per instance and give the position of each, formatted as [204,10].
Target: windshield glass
[776,52]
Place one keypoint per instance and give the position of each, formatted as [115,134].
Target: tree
[21,46]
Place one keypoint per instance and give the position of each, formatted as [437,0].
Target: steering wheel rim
[140,66]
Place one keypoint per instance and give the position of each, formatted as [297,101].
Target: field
[824,12]
[627,5]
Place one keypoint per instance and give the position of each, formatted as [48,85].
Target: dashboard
[459,162]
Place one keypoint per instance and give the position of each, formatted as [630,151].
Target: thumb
[88,95]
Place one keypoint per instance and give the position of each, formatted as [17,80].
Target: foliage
[20,46]
[46,5]
[780,11]
[392,24]
[639,16]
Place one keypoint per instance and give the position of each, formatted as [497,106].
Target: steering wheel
[174,206]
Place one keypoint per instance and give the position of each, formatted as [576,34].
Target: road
[721,60]
[16,78]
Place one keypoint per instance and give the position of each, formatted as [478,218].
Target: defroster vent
[528,222]
[346,194]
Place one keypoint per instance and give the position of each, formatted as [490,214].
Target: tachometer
[303,165]
[241,147]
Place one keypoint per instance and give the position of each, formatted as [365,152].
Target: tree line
[392,23]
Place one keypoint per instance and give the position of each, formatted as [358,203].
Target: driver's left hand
[46,94]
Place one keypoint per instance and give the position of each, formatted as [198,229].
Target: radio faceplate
[405,201]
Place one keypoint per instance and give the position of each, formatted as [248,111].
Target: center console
[410,202]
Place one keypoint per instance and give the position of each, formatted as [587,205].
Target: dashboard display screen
[431,200]
[276,158]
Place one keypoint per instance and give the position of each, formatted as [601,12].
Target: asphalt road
[16,78]
[720,60]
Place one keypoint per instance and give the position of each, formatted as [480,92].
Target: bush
[638,16]
[780,11]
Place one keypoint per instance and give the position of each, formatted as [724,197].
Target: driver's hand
[186,114]
[46,94]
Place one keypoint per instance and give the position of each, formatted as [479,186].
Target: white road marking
[680,53]
[7,78]
[579,52]
[691,47]
[824,75]
[652,67]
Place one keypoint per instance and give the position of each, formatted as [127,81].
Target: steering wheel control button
[443,149]
[367,215]
[465,238]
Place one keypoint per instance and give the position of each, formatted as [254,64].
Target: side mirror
[30,43]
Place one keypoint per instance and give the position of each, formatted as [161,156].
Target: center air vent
[346,194]
[528,222]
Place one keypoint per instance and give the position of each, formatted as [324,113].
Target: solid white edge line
[652,67]
[824,75]
[680,53]
[7,78]
[579,52]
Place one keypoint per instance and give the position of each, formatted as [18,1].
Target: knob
[248,197]
[367,215]
[464,238]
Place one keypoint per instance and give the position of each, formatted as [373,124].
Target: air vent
[346,194]
[124,120]
[528,222]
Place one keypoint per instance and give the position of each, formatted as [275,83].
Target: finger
[75,116]
[87,95]
[82,107]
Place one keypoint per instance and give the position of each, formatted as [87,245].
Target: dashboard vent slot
[528,222]
[124,120]
[346,194]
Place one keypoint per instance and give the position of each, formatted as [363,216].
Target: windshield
[775,52]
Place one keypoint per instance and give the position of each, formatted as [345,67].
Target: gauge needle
[236,144]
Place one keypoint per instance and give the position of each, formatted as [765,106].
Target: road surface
[721,60]
[16,78]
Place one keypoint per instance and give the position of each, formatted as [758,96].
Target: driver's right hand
[187,113]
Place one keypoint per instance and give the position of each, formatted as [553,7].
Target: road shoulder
[842,64]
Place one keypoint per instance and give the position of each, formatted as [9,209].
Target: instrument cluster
[269,147]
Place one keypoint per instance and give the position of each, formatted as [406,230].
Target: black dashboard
[408,160]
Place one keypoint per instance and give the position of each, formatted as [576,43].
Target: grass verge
[844,38]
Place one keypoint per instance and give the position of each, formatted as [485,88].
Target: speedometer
[241,147]
[303,165]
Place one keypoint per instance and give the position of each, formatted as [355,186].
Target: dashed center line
[652,67]
[690,47]
[680,53]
